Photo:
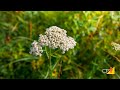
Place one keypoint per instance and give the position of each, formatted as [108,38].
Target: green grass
[92,30]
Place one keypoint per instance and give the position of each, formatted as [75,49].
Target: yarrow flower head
[36,49]
[116,46]
[54,37]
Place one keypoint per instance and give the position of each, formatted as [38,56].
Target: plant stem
[50,66]
[50,58]
[49,72]
[46,52]
[56,63]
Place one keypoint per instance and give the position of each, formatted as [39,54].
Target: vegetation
[92,30]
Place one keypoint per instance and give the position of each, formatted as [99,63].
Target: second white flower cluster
[54,37]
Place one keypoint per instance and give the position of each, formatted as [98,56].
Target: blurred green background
[92,30]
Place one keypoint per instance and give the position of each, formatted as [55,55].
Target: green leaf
[68,67]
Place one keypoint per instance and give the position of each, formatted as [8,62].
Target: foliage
[92,30]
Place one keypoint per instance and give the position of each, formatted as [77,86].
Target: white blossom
[116,46]
[54,37]
[67,43]
[43,40]
[36,49]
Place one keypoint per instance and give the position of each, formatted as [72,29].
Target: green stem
[46,52]
[49,72]
[50,67]
[56,63]
[50,58]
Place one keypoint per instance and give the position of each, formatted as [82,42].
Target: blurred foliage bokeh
[92,30]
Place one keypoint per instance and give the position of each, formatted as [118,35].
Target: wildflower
[54,73]
[116,46]
[58,39]
[33,63]
[54,37]
[67,43]
[36,49]
[43,40]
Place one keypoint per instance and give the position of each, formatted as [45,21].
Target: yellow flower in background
[33,64]
[76,16]
[39,63]
[54,73]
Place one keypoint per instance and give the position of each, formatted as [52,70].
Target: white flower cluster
[36,49]
[54,37]
[116,46]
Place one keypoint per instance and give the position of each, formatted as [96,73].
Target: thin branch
[116,58]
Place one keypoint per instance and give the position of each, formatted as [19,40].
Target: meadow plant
[116,46]
[53,38]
